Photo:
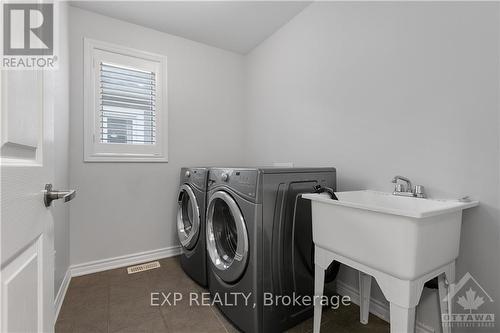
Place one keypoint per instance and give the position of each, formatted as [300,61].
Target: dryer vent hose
[321,189]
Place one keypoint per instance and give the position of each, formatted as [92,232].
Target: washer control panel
[240,180]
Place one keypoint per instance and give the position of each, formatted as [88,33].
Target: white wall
[60,211]
[379,89]
[124,208]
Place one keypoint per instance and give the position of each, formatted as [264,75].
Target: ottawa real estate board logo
[28,36]
[471,305]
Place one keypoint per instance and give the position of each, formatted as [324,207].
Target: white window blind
[127,105]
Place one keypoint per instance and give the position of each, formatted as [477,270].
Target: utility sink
[404,237]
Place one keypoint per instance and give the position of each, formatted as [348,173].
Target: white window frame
[94,150]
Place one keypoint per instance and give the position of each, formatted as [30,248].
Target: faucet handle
[419,191]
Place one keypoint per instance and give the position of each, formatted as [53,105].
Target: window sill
[125,159]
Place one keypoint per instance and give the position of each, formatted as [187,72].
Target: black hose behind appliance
[304,243]
[321,189]
[332,270]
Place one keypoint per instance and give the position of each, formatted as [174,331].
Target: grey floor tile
[89,327]
[346,319]
[153,325]
[186,317]
[64,326]
[116,302]
[125,312]
[90,280]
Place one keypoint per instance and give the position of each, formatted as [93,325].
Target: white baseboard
[107,264]
[122,261]
[61,293]
[377,308]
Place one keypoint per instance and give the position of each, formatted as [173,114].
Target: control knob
[224,177]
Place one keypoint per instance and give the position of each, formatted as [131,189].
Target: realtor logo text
[28,36]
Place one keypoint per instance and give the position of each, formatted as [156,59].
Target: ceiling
[237,26]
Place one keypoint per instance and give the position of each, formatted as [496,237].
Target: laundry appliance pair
[254,239]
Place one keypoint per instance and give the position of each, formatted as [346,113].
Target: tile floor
[113,301]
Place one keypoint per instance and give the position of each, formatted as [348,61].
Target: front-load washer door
[188,217]
[227,238]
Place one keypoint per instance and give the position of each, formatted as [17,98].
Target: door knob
[51,195]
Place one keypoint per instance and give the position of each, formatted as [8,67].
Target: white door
[27,238]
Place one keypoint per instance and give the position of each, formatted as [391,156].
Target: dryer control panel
[195,176]
[243,181]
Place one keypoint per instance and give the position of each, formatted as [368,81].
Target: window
[125,104]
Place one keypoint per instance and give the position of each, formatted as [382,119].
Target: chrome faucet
[405,188]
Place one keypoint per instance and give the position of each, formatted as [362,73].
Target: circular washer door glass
[188,217]
[227,238]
